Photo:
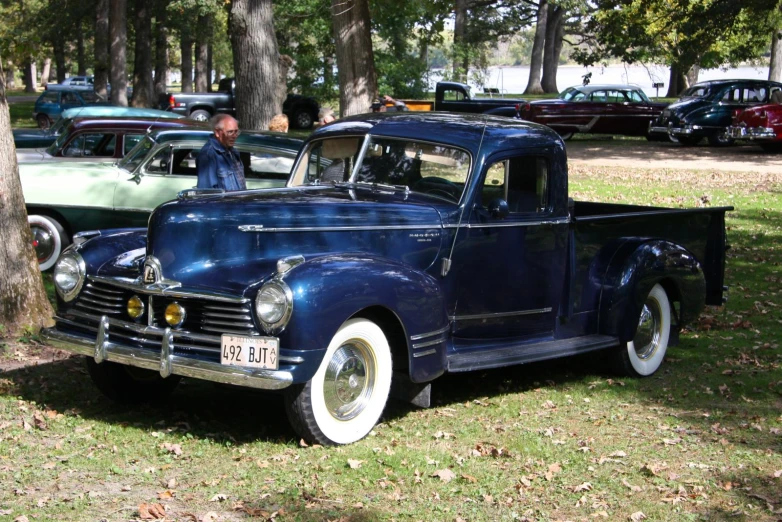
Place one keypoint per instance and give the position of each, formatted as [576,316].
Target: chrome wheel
[43,242]
[350,379]
[647,337]
[643,355]
[49,239]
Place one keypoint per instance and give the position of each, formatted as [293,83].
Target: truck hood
[230,242]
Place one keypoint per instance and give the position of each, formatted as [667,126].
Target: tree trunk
[161,50]
[81,58]
[676,83]
[59,58]
[461,61]
[47,64]
[533,84]
[23,301]
[209,66]
[142,68]
[284,65]
[256,62]
[30,76]
[186,41]
[102,48]
[202,53]
[691,78]
[118,34]
[775,66]
[552,48]
[355,58]
[10,77]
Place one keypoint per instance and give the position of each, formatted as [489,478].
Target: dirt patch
[658,155]
[15,355]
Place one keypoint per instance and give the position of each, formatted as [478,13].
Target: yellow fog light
[135,307]
[175,314]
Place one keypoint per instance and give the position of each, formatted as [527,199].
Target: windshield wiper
[377,186]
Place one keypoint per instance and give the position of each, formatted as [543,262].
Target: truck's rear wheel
[128,384]
[643,355]
[200,115]
[345,398]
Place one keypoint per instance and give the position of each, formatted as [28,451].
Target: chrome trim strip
[131,284]
[560,221]
[261,228]
[428,343]
[216,372]
[499,315]
[424,354]
[429,334]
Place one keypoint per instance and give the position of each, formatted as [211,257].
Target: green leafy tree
[680,33]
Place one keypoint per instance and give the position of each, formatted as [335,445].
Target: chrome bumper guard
[751,133]
[102,349]
[658,130]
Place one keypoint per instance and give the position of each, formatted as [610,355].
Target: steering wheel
[438,187]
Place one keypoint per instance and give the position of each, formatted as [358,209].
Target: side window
[755,95]
[75,147]
[522,181]
[598,96]
[160,162]
[183,162]
[131,140]
[733,95]
[49,97]
[634,97]
[100,145]
[266,165]
[69,97]
[453,95]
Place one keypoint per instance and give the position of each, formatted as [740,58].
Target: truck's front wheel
[643,355]
[346,396]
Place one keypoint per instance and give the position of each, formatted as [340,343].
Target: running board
[526,353]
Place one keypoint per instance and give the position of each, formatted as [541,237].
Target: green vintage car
[65,198]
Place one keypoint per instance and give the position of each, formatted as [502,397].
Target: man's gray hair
[218,120]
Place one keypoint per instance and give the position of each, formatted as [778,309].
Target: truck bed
[700,230]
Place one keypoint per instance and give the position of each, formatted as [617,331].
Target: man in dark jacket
[218,163]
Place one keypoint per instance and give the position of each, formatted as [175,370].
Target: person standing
[218,163]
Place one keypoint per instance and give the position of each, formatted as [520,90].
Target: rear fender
[635,268]
[328,291]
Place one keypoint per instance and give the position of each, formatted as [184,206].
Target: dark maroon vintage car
[761,124]
[598,109]
[100,139]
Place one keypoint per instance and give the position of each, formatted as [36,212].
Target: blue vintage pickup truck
[404,246]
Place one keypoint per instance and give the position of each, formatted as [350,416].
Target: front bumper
[166,362]
[751,133]
[684,131]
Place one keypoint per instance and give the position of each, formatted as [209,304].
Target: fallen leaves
[151,511]
[354,464]
[445,475]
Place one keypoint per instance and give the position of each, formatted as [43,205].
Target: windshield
[59,126]
[59,142]
[697,91]
[570,93]
[134,158]
[436,170]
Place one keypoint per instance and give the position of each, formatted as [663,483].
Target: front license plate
[252,352]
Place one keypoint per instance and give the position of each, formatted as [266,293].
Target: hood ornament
[152,271]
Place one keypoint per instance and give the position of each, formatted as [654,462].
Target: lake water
[514,79]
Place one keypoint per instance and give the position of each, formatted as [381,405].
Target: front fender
[327,291]
[114,252]
[634,269]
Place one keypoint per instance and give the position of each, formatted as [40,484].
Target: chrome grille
[199,335]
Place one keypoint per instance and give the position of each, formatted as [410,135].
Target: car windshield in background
[58,143]
[431,169]
[570,93]
[697,91]
[59,126]
[136,155]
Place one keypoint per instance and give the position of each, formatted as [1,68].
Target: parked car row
[706,110]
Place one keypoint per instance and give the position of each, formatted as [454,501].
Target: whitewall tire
[643,355]
[49,239]
[345,398]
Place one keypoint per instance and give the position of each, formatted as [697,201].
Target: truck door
[510,263]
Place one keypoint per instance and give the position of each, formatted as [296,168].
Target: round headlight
[175,314]
[135,307]
[274,304]
[69,275]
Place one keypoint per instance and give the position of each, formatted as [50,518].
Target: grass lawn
[563,440]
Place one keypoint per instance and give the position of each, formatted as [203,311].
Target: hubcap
[349,381]
[647,337]
[43,241]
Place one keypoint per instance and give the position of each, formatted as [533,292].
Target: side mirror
[498,208]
